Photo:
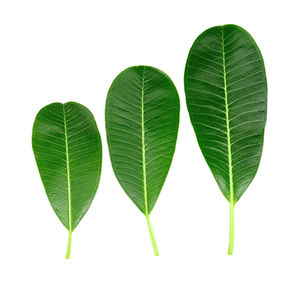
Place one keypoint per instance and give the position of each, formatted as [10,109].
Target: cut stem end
[154,244]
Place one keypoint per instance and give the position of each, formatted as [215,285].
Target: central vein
[227,123]
[143,144]
[68,171]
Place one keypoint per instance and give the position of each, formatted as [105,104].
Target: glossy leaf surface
[142,117]
[226,94]
[67,148]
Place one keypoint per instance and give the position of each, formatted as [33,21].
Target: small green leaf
[67,149]
[226,95]
[142,118]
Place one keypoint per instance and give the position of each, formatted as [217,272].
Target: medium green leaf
[226,95]
[142,117]
[68,152]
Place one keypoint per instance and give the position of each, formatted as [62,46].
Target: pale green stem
[231,229]
[69,245]
[154,244]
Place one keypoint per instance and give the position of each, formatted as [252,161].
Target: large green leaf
[67,149]
[226,95]
[142,117]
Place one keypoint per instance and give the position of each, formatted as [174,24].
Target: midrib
[227,123]
[68,172]
[143,145]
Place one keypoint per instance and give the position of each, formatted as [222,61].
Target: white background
[72,50]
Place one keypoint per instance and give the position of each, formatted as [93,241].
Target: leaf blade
[217,109]
[132,104]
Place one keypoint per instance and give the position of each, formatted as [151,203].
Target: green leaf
[226,95]
[68,152]
[142,117]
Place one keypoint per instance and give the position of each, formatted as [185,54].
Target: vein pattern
[226,93]
[142,117]
[67,148]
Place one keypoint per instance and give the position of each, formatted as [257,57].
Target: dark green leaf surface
[67,148]
[226,94]
[142,117]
